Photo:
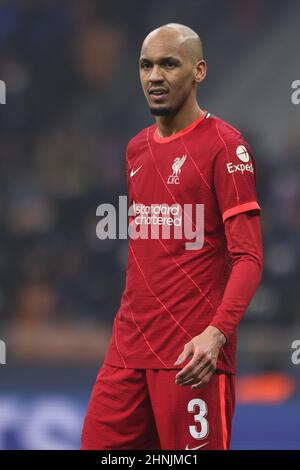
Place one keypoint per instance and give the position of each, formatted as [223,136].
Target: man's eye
[170,65]
[146,66]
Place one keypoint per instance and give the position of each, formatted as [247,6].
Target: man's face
[166,73]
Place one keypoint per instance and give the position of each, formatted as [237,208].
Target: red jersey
[171,292]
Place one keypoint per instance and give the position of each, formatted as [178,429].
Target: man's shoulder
[223,130]
[227,141]
[139,139]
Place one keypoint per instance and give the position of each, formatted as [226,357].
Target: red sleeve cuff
[248,206]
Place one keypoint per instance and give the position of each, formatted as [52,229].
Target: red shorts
[143,409]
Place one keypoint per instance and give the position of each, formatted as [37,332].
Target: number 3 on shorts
[200,418]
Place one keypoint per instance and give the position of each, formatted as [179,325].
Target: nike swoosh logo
[132,173]
[195,448]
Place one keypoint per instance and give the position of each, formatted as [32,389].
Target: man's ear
[200,71]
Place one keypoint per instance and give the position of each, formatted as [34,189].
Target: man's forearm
[244,242]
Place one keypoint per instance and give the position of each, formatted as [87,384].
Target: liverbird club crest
[176,167]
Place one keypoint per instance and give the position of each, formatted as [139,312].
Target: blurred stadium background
[73,101]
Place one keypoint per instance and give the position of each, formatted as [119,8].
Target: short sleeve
[234,177]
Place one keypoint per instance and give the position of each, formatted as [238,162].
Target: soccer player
[168,379]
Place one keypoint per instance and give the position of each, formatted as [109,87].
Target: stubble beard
[167,111]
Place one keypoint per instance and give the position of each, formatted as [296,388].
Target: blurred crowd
[73,102]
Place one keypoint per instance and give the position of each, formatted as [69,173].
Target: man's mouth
[158,93]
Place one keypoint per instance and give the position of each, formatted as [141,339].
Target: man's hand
[205,350]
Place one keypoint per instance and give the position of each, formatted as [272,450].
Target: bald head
[171,68]
[182,38]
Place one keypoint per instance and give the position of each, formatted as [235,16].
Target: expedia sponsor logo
[242,167]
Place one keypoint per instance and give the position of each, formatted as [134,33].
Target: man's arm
[244,243]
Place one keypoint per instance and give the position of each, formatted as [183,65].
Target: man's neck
[169,125]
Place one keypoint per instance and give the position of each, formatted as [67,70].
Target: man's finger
[190,373]
[197,375]
[198,361]
[188,350]
[204,381]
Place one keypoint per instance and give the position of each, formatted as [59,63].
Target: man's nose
[155,74]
